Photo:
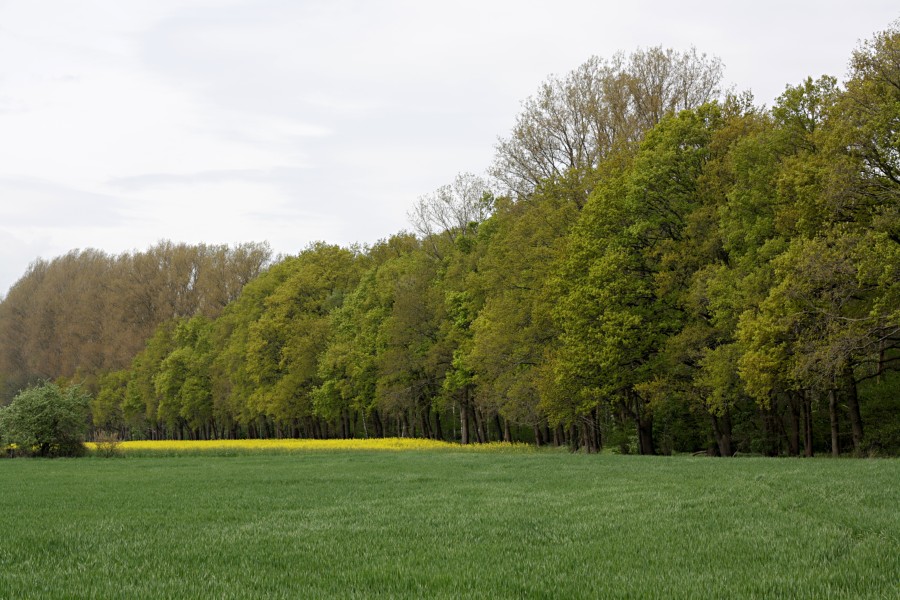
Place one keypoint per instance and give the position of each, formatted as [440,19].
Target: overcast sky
[124,122]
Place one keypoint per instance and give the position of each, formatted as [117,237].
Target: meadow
[443,523]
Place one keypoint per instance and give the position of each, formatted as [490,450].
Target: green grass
[463,525]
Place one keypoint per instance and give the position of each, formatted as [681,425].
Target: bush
[45,420]
[106,444]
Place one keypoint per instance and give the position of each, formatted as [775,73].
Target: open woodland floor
[442,524]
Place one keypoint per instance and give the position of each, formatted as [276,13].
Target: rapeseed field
[278,446]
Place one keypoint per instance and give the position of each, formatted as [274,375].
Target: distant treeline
[657,267]
[88,313]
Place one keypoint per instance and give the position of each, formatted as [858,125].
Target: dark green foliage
[45,420]
[880,404]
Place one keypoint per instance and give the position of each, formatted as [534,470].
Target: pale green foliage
[718,378]
[413,360]
[513,331]
[141,404]
[349,367]
[831,308]
[46,421]
[231,395]
[283,345]
[182,381]
[107,405]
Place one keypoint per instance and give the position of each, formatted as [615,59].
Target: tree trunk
[643,420]
[807,411]
[722,431]
[464,420]
[645,434]
[572,438]
[426,425]
[622,419]
[770,430]
[538,438]
[856,424]
[438,430]
[379,426]
[797,423]
[479,425]
[589,436]
[835,432]
[404,424]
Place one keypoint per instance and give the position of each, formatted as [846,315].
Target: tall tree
[513,332]
[830,318]
[573,122]
[283,345]
[620,284]
[452,210]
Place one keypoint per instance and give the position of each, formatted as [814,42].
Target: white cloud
[37,203]
[226,120]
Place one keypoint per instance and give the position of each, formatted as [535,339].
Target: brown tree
[575,121]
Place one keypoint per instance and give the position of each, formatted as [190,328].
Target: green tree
[284,344]
[232,383]
[140,406]
[830,319]
[513,333]
[45,420]
[183,379]
[349,366]
[107,406]
[412,359]
[622,283]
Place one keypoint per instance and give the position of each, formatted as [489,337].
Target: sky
[127,122]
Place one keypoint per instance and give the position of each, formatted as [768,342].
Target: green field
[449,524]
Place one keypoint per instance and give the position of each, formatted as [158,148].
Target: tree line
[655,267]
[87,313]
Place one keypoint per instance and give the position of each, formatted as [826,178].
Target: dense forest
[653,266]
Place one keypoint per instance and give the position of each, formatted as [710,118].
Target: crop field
[448,524]
[287,446]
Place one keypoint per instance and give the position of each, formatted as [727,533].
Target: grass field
[448,524]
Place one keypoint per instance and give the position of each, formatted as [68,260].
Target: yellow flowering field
[220,447]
